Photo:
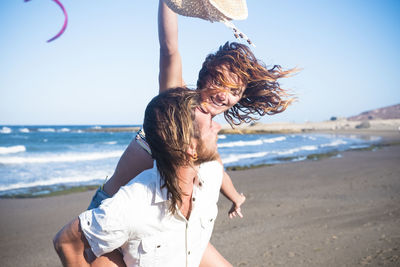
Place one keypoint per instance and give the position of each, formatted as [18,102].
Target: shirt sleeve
[107,227]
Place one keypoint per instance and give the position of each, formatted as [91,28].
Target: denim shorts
[98,197]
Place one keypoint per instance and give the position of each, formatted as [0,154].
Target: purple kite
[65,20]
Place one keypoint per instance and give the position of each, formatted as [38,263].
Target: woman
[232,82]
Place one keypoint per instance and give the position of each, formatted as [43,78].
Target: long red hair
[262,95]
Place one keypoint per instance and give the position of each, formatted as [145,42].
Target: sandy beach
[341,211]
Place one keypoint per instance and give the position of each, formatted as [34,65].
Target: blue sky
[104,68]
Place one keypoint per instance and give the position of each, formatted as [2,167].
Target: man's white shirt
[137,220]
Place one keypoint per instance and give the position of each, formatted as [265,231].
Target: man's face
[208,131]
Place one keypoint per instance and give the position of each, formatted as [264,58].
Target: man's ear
[192,150]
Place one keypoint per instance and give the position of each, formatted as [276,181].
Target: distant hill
[391,112]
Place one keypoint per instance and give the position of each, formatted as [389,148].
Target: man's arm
[70,244]
[170,75]
[98,231]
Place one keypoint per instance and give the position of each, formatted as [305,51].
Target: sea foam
[64,130]
[274,140]
[110,143]
[24,130]
[335,143]
[73,157]
[5,130]
[11,149]
[56,180]
[252,143]
[236,157]
[295,150]
[240,143]
[46,130]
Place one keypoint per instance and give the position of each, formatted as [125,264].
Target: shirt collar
[200,181]
[161,193]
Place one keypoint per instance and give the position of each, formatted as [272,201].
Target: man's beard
[204,154]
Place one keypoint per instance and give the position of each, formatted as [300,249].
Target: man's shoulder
[142,185]
[211,172]
[211,166]
[146,185]
[145,178]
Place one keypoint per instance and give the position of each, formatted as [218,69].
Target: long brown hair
[169,124]
[262,94]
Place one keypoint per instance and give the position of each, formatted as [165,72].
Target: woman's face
[218,99]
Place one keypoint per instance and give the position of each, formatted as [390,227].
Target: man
[165,216]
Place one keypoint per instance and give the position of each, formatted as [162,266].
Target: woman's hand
[235,209]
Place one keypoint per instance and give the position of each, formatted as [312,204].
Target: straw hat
[213,10]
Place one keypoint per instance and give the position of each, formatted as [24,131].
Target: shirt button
[194,199]
[158,246]
[188,252]
[211,220]
[88,223]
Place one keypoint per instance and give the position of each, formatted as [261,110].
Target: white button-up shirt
[137,220]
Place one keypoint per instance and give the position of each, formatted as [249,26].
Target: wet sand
[342,211]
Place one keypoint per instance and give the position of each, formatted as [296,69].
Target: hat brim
[233,9]
[212,10]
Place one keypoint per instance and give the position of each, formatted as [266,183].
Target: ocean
[38,160]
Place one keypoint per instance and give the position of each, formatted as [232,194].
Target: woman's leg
[212,258]
[112,259]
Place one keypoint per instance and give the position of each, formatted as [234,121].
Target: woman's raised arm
[170,74]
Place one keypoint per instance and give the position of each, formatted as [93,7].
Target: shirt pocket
[207,221]
[208,217]
[131,252]
[153,251]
